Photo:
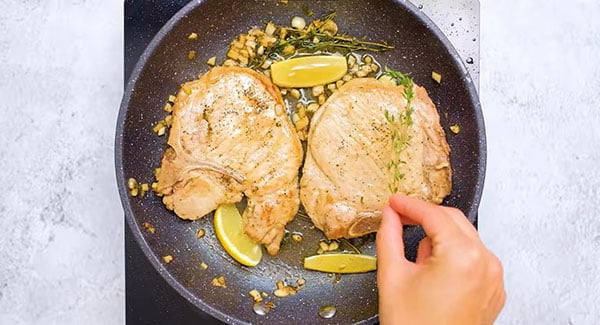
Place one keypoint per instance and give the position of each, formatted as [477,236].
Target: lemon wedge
[229,231]
[308,71]
[341,263]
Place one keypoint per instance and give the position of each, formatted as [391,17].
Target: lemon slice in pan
[341,263]
[308,71]
[229,231]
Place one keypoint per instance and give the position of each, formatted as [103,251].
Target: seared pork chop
[230,137]
[346,176]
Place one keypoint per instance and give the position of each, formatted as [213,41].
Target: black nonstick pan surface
[420,48]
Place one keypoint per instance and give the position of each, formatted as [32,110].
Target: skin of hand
[455,279]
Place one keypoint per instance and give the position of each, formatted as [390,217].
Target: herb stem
[400,125]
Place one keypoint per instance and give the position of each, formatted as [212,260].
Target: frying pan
[420,48]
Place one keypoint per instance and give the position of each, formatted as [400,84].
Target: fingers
[424,250]
[390,243]
[496,304]
[462,222]
[392,266]
[432,217]
[497,275]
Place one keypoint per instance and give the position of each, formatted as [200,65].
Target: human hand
[455,279]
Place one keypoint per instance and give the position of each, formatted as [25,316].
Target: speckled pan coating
[420,49]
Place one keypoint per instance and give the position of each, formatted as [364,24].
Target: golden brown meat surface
[346,176]
[231,136]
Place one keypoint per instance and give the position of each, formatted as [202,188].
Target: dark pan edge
[472,213]
[135,228]
[120,177]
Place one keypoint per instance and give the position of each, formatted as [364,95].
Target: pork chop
[231,136]
[346,176]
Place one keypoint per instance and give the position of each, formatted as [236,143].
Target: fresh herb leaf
[317,36]
[307,11]
[400,127]
[387,116]
[400,78]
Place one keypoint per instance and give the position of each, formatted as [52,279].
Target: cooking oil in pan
[327,312]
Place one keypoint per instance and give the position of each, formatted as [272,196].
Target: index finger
[433,218]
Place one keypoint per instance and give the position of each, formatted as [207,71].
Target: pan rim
[119,145]
[119,148]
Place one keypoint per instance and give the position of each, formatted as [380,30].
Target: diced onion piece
[298,22]
[436,76]
[295,93]
[212,61]
[270,29]
[312,107]
[132,183]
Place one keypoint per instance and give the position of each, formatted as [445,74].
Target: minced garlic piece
[219,282]
[455,129]
[436,76]
[148,226]
[255,295]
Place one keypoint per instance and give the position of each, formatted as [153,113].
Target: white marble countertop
[61,252]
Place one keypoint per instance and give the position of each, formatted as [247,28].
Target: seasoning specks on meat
[345,180]
[230,138]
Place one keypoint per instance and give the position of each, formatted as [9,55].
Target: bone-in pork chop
[347,176]
[231,136]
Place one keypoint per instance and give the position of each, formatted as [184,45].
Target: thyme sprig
[400,125]
[319,35]
[305,42]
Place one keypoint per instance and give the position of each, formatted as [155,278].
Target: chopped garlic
[255,295]
[295,93]
[270,29]
[219,282]
[280,293]
[436,76]
[317,90]
[297,238]
[298,22]
[132,183]
[148,226]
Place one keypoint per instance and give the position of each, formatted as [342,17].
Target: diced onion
[298,22]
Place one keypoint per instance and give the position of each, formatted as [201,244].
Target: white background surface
[61,246]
